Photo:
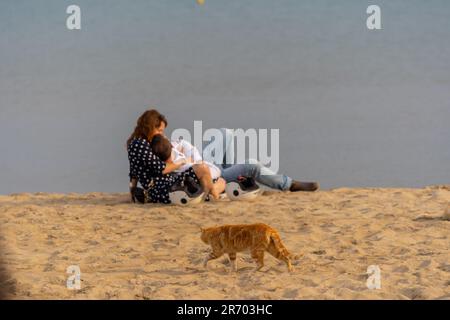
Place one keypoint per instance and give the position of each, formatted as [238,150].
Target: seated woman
[152,173]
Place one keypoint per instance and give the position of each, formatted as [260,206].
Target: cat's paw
[234,267]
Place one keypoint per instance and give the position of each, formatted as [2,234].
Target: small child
[181,152]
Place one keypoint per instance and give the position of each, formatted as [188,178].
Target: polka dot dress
[148,168]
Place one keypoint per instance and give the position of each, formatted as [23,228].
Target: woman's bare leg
[204,176]
[218,187]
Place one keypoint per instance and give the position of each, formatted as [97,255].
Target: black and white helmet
[187,193]
[242,189]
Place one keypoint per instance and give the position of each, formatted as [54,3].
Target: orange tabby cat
[258,238]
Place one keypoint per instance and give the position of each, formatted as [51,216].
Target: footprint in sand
[290,293]
[413,293]
[400,251]
[401,269]
[166,243]
[425,264]
[402,281]
[444,267]
[344,204]
[92,242]
[304,231]
[374,236]
[20,214]
[127,250]
[111,295]
[147,293]
[309,283]
[50,261]
[319,252]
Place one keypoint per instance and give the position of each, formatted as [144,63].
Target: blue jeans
[258,172]
[252,168]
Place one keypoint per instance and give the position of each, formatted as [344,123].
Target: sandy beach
[131,251]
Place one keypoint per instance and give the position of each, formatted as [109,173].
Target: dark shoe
[303,186]
[139,195]
[133,187]
[247,184]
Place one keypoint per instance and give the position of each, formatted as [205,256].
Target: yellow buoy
[201,2]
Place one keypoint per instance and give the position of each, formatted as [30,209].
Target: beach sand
[133,251]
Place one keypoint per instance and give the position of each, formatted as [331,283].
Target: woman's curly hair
[146,124]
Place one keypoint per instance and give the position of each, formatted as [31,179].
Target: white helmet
[243,189]
[188,192]
[183,198]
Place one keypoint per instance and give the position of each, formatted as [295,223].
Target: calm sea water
[354,107]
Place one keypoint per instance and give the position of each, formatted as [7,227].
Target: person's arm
[170,167]
[133,177]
